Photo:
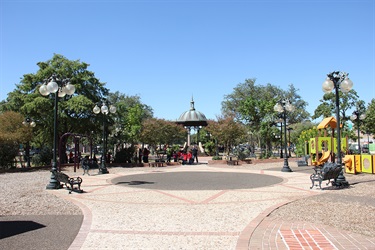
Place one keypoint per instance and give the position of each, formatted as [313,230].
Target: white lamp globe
[289,107]
[62,92]
[362,116]
[278,108]
[33,124]
[353,117]
[70,89]
[112,109]
[346,85]
[104,109]
[52,86]
[43,90]
[96,109]
[327,86]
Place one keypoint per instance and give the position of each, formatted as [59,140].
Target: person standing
[145,154]
[195,153]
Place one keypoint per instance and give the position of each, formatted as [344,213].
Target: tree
[127,121]
[159,131]
[12,134]
[327,107]
[368,124]
[74,113]
[253,105]
[227,132]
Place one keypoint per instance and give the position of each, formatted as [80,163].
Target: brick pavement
[118,217]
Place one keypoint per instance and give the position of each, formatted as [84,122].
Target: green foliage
[43,158]
[12,134]
[210,148]
[8,152]
[241,154]
[327,107]
[74,112]
[304,138]
[369,122]
[159,131]
[217,158]
[125,155]
[227,132]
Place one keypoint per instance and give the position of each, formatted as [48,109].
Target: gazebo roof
[192,117]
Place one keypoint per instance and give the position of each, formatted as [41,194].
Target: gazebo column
[188,128]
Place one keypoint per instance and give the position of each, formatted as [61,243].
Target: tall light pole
[338,80]
[283,106]
[358,117]
[105,111]
[289,129]
[29,123]
[60,87]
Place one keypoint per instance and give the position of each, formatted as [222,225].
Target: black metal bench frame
[69,182]
[233,162]
[325,173]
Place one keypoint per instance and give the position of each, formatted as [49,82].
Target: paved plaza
[198,207]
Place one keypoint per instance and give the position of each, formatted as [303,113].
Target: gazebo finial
[192,103]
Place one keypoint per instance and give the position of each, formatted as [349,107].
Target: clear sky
[167,51]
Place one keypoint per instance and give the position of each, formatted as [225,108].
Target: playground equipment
[324,143]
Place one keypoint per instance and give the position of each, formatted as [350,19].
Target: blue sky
[168,51]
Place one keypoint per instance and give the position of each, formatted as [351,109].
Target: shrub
[43,158]
[8,151]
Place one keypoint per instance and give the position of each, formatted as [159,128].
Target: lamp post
[277,137]
[29,123]
[281,134]
[289,129]
[338,80]
[358,117]
[60,87]
[282,107]
[105,111]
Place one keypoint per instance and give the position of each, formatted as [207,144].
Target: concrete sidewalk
[151,208]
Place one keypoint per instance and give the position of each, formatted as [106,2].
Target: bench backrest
[331,170]
[61,177]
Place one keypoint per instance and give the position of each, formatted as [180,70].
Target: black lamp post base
[103,170]
[286,167]
[340,181]
[53,185]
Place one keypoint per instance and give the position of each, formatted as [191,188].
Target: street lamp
[105,111]
[357,116]
[29,123]
[289,129]
[60,87]
[338,80]
[281,134]
[282,107]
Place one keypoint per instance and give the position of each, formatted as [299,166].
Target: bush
[124,155]
[44,157]
[215,158]
[8,151]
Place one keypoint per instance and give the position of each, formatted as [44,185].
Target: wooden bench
[330,171]
[156,164]
[69,181]
[233,162]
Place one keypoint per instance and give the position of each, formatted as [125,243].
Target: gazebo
[192,119]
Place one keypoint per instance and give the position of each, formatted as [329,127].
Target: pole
[53,183]
[103,168]
[359,143]
[286,167]
[341,178]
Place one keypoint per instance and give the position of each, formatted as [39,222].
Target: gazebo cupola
[192,119]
